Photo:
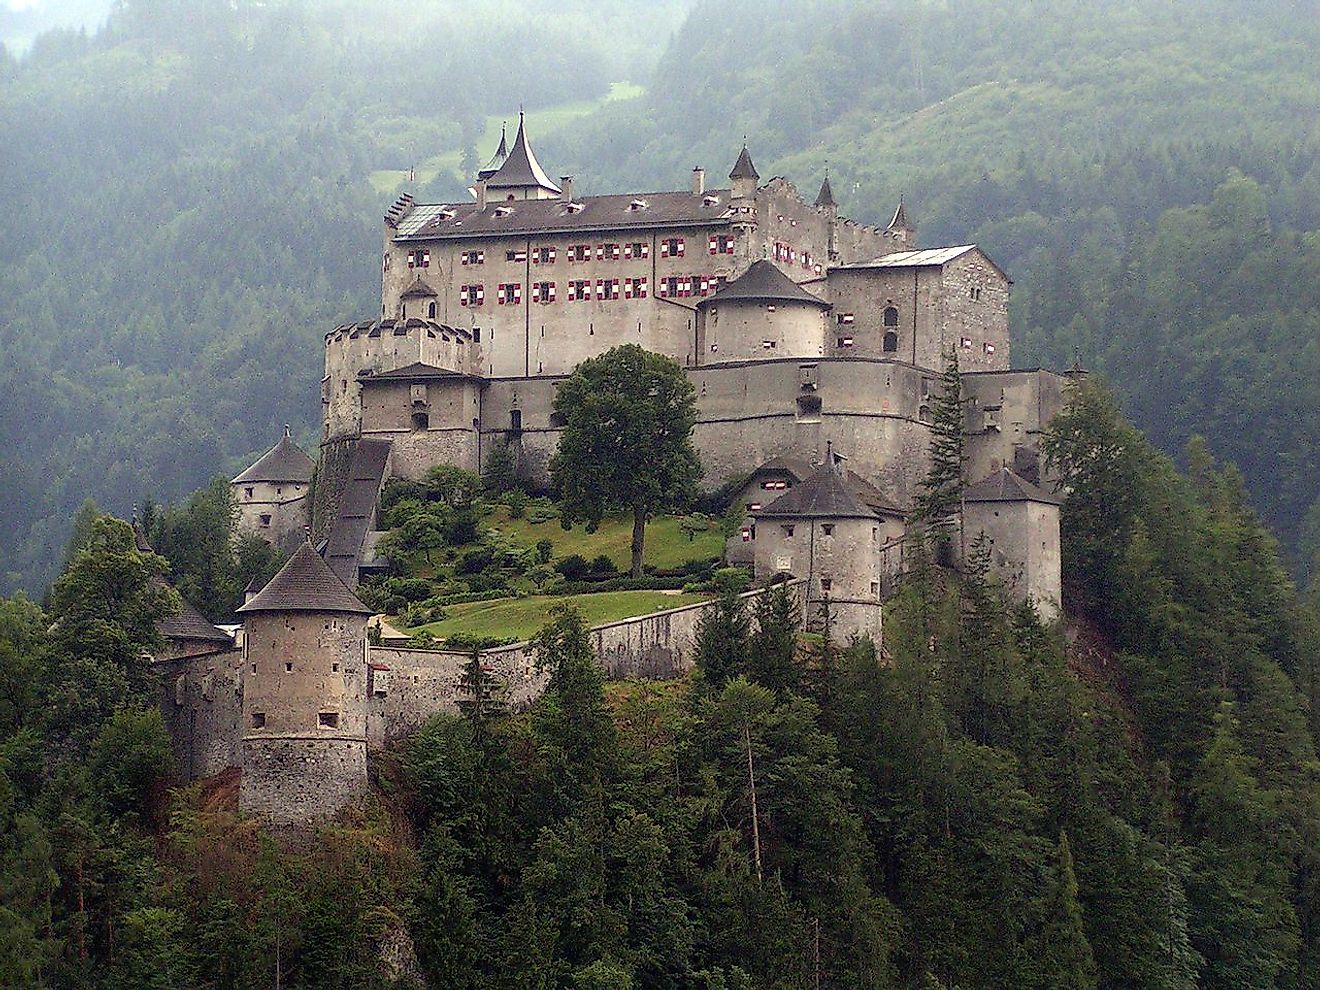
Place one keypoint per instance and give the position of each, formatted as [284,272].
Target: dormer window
[504,211]
[575,207]
[637,204]
[710,200]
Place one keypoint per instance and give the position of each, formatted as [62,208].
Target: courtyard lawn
[667,546]
[521,618]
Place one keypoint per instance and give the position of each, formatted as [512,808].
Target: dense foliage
[989,803]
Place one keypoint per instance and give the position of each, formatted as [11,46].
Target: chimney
[698,181]
[566,184]
[481,194]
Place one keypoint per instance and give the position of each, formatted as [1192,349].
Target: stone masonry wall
[201,700]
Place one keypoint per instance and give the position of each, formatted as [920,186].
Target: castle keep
[814,344]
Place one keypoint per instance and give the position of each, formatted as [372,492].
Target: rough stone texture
[428,422]
[201,700]
[304,714]
[332,477]
[1008,413]
[750,330]
[1024,553]
[274,511]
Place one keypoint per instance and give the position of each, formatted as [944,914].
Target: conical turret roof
[743,167]
[1005,486]
[900,221]
[285,462]
[826,195]
[520,168]
[305,584]
[763,282]
[501,153]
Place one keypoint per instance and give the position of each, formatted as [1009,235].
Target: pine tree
[770,653]
[1067,960]
[479,688]
[940,498]
[722,634]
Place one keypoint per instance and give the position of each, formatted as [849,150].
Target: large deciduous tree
[627,440]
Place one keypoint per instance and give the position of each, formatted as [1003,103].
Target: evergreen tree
[771,651]
[940,499]
[1067,963]
[722,634]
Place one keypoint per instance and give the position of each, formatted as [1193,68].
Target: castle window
[334,668]
[328,720]
[753,506]
[579,289]
[975,293]
[265,519]
[258,720]
[607,288]
[421,421]
[923,414]
[891,316]
[875,588]
[515,420]
[634,288]
[637,249]
[768,345]
[721,243]
[609,252]
[420,258]
[543,292]
[747,534]
[827,529]
[543,255]
[826,584]
[774,486]
[288,668]
[579,252]
[845,342]
[966,343]
[517,255]
[472,295]
[891,342]
[476,335]
[509,293]
[988,347]
[875,533]
[474,257]
[671,247]
[788,532]
[247,492]
[845,319]
[430,310]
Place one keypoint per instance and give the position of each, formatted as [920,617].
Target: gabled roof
[621,212]
[1005,486]
[785,465]
[763,282]
[826,195]
[305,584]
[871,496]
[191,624]
[743,167]
[419,288]
[521,169]
[926,258]
[417,371]
[824,495]
[501,153]
[900,221]
[285,462]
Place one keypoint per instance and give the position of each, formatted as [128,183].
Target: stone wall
[333,473]
[753,330]
[297,782]
[274,512]
[448,435]
[1007,414]
[201,700]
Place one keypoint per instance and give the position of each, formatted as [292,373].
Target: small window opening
[288,668]
[891,316]
[258,720]
[891,342]
[328,720]
[334,668]
[265,519]
[828,529]
[247,492]
[515,419]
[421,421]
[826,584]
[430,311]
[788,532]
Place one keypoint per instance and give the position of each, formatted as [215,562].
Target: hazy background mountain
[192,196]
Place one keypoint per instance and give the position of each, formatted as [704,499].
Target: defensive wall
[202,697]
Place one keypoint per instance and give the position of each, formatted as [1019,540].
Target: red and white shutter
[714,244]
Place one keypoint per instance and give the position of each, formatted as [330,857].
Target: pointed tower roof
[521,169]
[743,167]
[305,584]
[824,495]
[501,153]
[763,282]
[285,462]
[1005,486]
[418,289]
[900,221]
[188,623]
[826,195]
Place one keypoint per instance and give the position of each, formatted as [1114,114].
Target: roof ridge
[305,584]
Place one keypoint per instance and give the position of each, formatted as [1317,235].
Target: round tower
[761,315]
[304,751]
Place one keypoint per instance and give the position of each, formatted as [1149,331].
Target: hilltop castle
[814,344]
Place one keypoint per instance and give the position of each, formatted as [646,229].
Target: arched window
[430,310]
[891,342]
[891,316]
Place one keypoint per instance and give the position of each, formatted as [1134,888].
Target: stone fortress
[815,345]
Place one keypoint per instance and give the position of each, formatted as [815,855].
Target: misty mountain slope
[1147,173]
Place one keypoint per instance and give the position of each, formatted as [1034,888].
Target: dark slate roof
[826,195]
[900,221]
[871,496]
[824,495]
[787,465]
[521,169]
[622,212]
[417,371]
[743,167]
[357,508]
[140,540]
[305,584]
[1005,486]
[501,153]
[191,624]
[418,289]
[763,282]
[283,462]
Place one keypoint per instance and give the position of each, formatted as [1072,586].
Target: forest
[1125,801]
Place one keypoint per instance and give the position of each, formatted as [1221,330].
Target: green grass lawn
[545,120]
[667,546]
[522,617]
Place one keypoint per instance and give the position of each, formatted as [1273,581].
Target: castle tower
[759,315]
[271,495]
[1021,521]
[825,201]
[520,175]
[902,229]
[497,160]
[744,176]
[304,745]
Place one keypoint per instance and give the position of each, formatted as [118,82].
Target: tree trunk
[638,539]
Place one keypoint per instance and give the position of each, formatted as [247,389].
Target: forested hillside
[1147,173]
[188,199]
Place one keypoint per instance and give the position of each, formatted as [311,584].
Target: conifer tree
[480,701]
[1071,965]
[770,653]
[722,633]
[941,490]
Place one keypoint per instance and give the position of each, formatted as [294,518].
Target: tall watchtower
[304,750]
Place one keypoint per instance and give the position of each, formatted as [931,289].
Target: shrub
[544,548]
[542,511]
[474,560]
[409,589]
[603,565]
[574,567]
[516,500]
[468,641]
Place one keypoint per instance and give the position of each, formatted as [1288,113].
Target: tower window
[515,419]
[328,720]
[430,310]
[826,584]
[827,529]
[247,492]
[421,421]
[891,316]
[265,519]
[788,532]
[288,668]
[258,720]
[891,342]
